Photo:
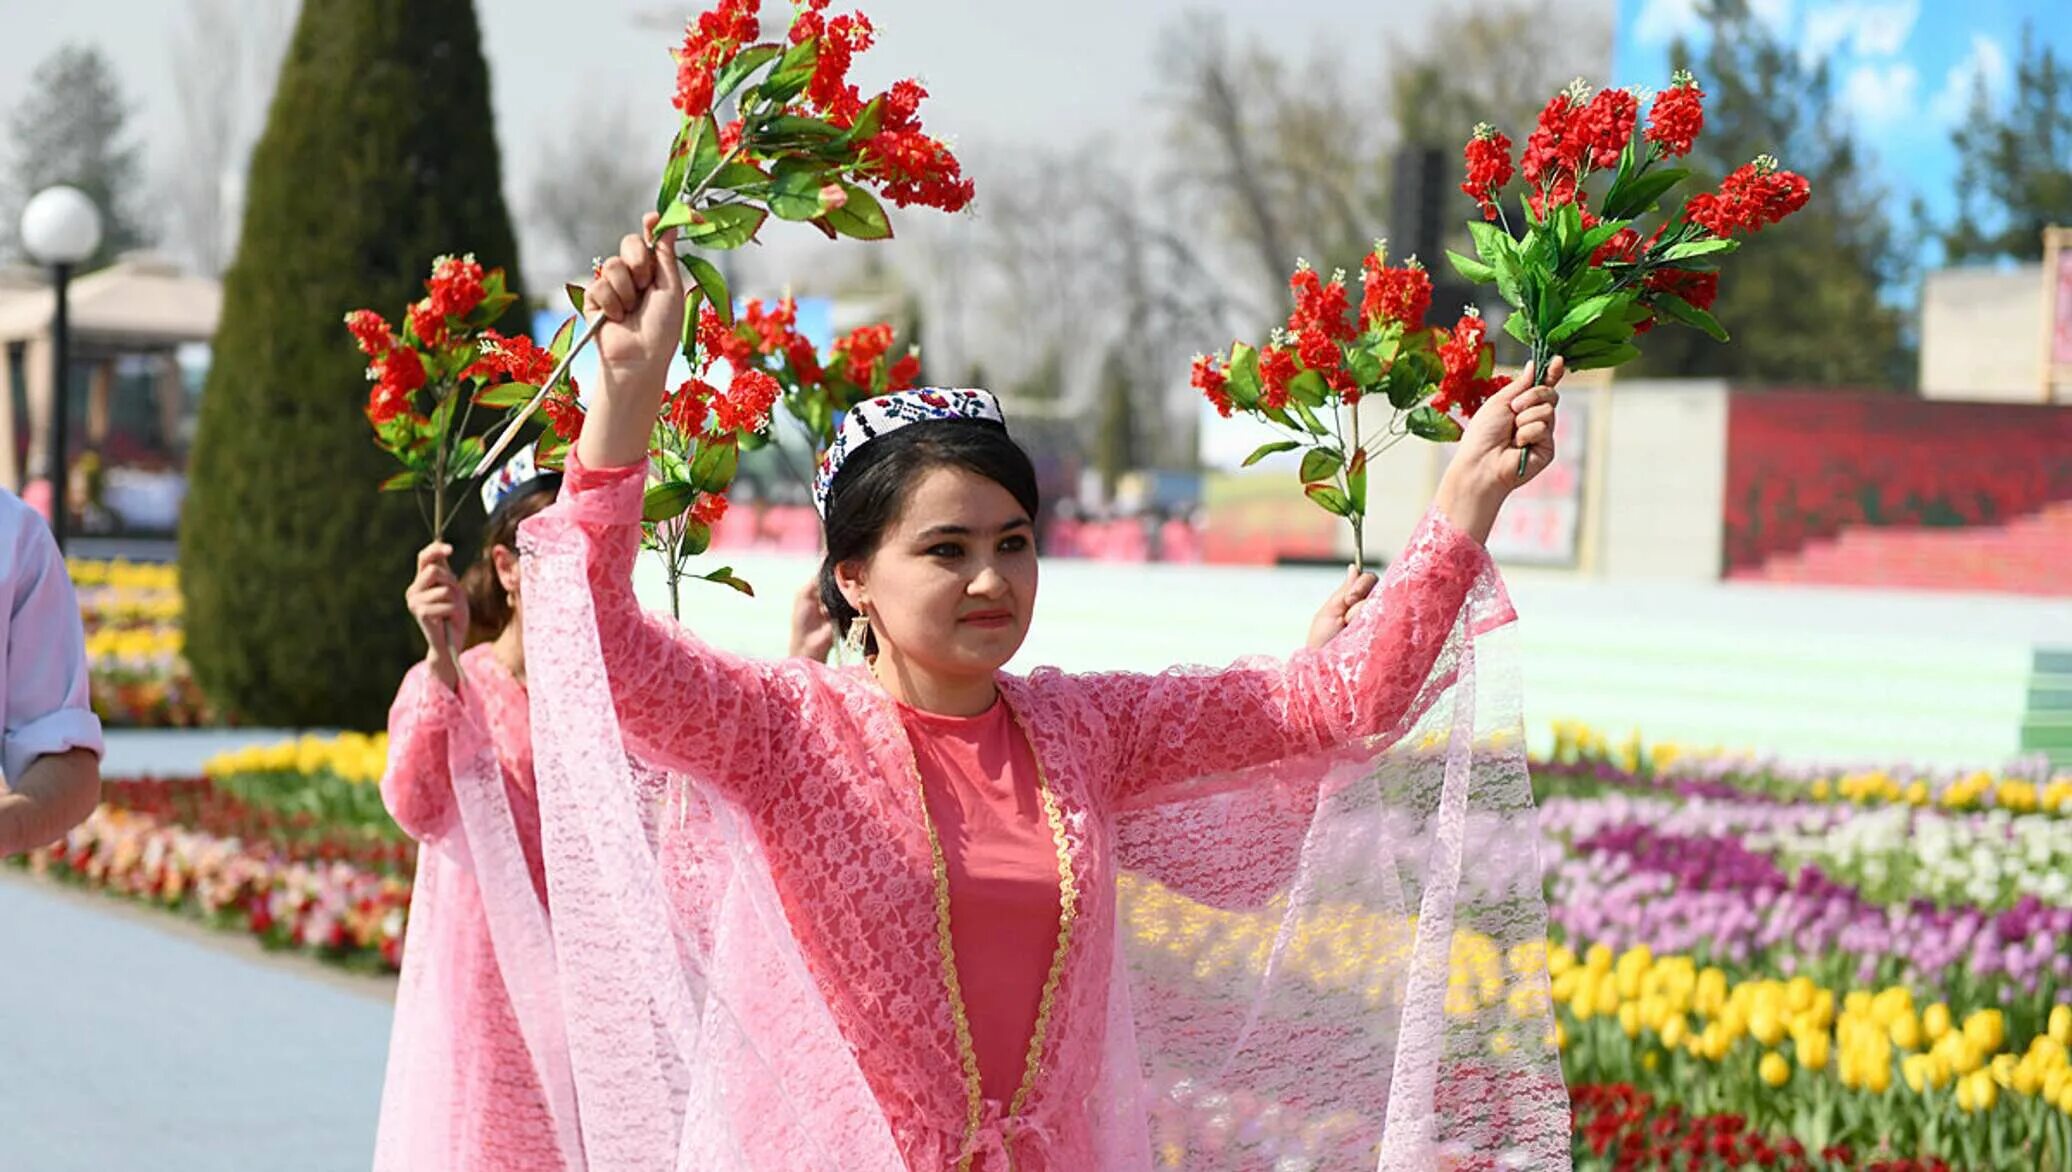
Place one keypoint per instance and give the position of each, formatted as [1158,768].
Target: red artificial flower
[1678,115]
[862,348]
[1320,307]
[428,324]
[1700,289]
[903,373]
[689,406]
[840,40]
[1395,294]
[1755,195]
[456,285]
[1604,127]
[1555,146]
[909,166]
[1624,245]
[1209,378]
[730,137]
[385,402]
[709,43]
[517,358]
[1276,371]
[746,404]
[1317,350]
[1461,356]
[371,332]
[1564,190]
[805,364]
[565,415]
[402,369]
[772,327]
[718,341]
[1488,156]
[709,508]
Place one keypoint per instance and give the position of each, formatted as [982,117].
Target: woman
[465,1081]
[956,918]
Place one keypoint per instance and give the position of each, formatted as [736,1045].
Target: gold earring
[859,634]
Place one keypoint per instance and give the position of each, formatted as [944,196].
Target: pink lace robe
[1302,919]
[464,1088]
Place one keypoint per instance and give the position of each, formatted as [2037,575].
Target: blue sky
[1903,69]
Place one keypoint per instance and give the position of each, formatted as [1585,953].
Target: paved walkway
[129,1039]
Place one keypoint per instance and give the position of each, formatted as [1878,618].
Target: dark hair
[873,484]
[489,606]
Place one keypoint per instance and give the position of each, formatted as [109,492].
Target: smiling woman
[917,912]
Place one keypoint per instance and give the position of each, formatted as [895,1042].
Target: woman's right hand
[639,293]
[440,606]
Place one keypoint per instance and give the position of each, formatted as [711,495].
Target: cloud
[1662,21]
[1987,60]
[1871,28]
[1775,13]
[1880,94]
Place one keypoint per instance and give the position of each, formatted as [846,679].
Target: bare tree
[225,59]
[1496,65]
[584,197]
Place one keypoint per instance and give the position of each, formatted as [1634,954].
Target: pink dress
[1297,911]
[463,1089]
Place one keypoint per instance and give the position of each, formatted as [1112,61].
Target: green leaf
[1693,248]
[861,216]
[1309,388]
[1568,229]
[1492,243]
[1519,326]
[575,296]
[679,164]
[1473,270]
[1585,312]
[1264,450]
[793,131]
[737,176]
[1356,483]
[1332,500]
[408,479]
[1671,306]
[795,186]
[1640,196]
[1406,385]
[1594,238]
[1243,383]
[507,395]
[869,121]
[704,152]
[713,284]
[725,577]
[712,469]
[1597,360]
[663,502]
[745,62]
[1364,367]
[564,337]
[727,226]
[792,74]
[687,342]
[697,538]
[1426,423]
[1308,417]
[1320,464]
[676,215]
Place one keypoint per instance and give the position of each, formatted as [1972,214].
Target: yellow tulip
[2061,1024]
[1675,1030]
[1629,1019]
[1906,1031]
[1936,1021]
[1986,1028]
[1775,1071]
[1812,1050]
[1915,1069]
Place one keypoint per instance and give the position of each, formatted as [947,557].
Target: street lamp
[61,228]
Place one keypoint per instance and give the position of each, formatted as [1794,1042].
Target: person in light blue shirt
[50,740]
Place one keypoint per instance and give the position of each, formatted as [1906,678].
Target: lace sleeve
[1187,723]
[417,787]
[681,705]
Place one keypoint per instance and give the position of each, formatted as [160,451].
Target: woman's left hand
[1337,610]
[1485,466]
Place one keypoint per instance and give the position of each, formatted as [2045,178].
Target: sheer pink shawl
[1304,927]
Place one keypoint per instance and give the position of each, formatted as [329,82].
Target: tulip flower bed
[139,677]
[288,843]
[1764,966]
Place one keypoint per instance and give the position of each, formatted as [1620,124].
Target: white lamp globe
[61,226]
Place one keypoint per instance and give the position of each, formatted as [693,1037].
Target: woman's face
[952,586]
